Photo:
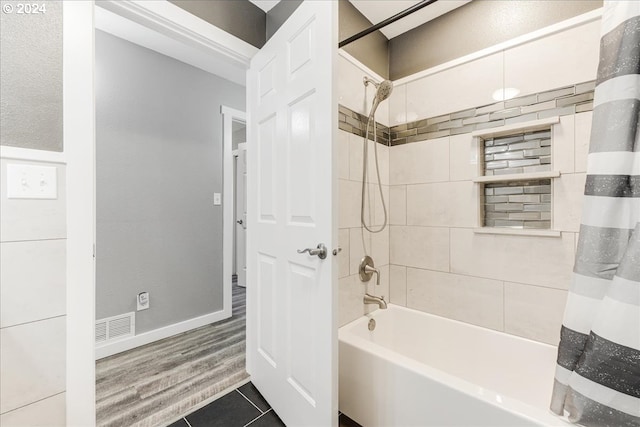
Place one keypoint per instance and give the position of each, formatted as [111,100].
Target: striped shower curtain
[597,381]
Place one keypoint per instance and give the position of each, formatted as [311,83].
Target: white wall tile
[31,219]
[32,281]
[344,255]
[398,105]
[349,209]
[373,196]
[421,247]
[534,312]
[544,261]
[380,247]
[383,162]
[463,158]
[353,94]
[343,154]
[468,299]
[562,145]
[568,195]
[558,60]
[44,413]
[398,205]
[357,243]
[398,284]
[356,145]
[582,135]
[448,204]
[458,88]
[351,306]
[419,162]
[32,361]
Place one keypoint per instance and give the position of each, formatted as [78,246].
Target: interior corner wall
[279,14]
[473,27]
[243,19]
[159,162]
[371,50]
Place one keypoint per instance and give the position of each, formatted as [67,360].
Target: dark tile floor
[241,407]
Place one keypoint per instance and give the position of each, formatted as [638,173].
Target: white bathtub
[417,369]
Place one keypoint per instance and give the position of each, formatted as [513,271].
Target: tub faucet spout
[372,299]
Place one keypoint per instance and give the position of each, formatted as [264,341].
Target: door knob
[239,221]
[320,250]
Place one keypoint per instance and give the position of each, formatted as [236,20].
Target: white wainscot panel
[32,219]
[44,413]
[32,361]
[32,281]
[458,88]
[562,59]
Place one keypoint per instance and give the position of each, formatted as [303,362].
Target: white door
[241,214]
[292,192]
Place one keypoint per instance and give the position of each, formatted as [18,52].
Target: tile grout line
[258,417]
[249,400]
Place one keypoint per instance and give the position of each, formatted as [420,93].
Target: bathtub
[418,369]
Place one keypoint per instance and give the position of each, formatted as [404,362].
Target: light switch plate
[217,199]
[32,182]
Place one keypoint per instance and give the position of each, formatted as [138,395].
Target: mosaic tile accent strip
[518,204]
[520,153]
[558,102]
[356,123]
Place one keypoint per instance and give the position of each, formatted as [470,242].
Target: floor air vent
[115,328]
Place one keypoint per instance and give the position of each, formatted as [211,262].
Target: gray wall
[473,27]
[241,18]
[372,50]
[31,78]
[279,14]
[159,161]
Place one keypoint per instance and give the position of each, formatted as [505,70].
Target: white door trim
[79,146]
[228,220]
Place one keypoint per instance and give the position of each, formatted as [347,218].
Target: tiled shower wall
[355,102]
[439,263]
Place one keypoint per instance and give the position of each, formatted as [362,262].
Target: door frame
[174,24]
[229,221]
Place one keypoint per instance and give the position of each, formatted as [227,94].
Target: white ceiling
[379,10]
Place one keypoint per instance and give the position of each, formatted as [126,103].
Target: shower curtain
[597,380]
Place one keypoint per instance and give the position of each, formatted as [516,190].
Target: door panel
[291,312]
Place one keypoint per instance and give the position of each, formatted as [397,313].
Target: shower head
[384,90]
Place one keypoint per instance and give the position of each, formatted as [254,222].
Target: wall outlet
[143,301]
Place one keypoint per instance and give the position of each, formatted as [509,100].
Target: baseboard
[157,334]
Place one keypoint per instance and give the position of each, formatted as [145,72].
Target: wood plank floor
[156,384]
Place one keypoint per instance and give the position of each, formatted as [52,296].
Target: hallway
[158,383]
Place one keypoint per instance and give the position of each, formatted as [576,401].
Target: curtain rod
[386,22]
